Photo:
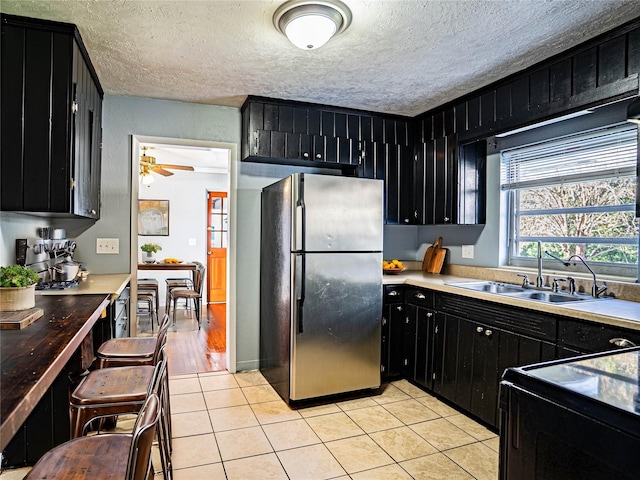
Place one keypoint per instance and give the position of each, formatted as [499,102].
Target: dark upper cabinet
[51,120]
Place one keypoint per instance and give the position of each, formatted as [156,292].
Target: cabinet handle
[429,314]
[399,308]
[420,296]
[74,107]
[406,220]
[488,333]
[622,342]
[406,320]
[305,155]
[384,321]
[446,219]
[93,212]
[435,330]
[393,293]
[318,156]
[479,329]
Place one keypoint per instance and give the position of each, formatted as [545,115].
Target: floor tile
[250,378]
[356,454]
[14,473]
[210,472]
[262,467]
[243,442]
[211,374]
[389,472]
[493,444]
[178,386]
[260,393]
[477,459]
[356,403]
[292,434]
[474,429]
[389,393]
[403,443]
[435,467]
[218,382]
[271,412]
[334,426]
[231,418]
[190,423]
[187,402]
[410,411]
[409,388]
[442,434]
[314,462]
[319,410]
[224,398]
[374,419]
[194,451]
[186,375]
[437,406]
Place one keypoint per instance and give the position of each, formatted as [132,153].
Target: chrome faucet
[596,290]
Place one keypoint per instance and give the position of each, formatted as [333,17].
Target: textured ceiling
[398,56]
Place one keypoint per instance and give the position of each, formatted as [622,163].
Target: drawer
[420,297]
[393,294]
[594,337]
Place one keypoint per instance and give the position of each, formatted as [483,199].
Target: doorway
[217,238]
[195,246]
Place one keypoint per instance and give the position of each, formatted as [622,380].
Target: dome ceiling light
[310,24]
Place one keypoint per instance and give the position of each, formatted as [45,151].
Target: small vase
[149,257]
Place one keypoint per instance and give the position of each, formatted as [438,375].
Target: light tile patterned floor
[235,427]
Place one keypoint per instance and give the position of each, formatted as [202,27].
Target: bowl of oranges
[392,267]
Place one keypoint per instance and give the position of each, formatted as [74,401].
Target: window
[576,195]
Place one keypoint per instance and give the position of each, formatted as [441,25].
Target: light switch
[107,246]
[467,251]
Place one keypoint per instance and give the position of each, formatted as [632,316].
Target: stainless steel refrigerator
[321,285]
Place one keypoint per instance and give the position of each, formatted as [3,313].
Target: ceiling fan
[148,164]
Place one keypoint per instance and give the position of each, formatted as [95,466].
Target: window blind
[602,153]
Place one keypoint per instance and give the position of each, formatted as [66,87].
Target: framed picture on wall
[153,217]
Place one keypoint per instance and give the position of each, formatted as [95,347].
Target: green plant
[17,276]
[150,247]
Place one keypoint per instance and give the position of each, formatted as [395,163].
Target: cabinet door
[408,214]
[445,355]
[391,183]
[424,327]
[395,340]
[484,391]
[409,343]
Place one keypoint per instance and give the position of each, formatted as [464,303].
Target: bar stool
[150,285]
[114,455]
[149,301]
[114,391]
[131,351]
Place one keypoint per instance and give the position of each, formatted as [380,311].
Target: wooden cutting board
[19,319]
[434,257]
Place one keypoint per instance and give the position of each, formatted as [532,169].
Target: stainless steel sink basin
[551,297]
[490,287]
[516,291]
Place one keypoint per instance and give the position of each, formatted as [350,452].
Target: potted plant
[17,288]
[150,250]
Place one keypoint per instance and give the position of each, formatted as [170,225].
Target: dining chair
[194,293]
[113,455]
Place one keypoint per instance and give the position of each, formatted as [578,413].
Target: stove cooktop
[56,285]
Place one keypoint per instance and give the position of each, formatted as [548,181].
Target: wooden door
[217,238]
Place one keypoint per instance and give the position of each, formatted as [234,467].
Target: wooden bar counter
[33,358]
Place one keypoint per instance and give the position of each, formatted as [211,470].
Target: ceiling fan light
[147,179]
[311,24]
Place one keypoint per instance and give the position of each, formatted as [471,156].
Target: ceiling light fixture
[145,176]
[633,111]
[310,24]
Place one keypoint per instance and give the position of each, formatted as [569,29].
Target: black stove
[56,285]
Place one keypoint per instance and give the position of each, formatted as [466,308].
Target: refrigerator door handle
[300,275]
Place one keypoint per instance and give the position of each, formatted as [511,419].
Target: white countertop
[95,283]
[620,313]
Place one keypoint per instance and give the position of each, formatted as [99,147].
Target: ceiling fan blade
[176,167]
[161,171]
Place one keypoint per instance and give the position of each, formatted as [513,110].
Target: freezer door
[337,324]
[336,214]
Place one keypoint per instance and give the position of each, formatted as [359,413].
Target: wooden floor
[190,350]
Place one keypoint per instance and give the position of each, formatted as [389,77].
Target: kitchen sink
[490,287]
[516,291]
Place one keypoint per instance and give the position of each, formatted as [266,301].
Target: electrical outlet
[107,246]
[467,251]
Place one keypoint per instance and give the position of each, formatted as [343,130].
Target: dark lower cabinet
[392,356]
